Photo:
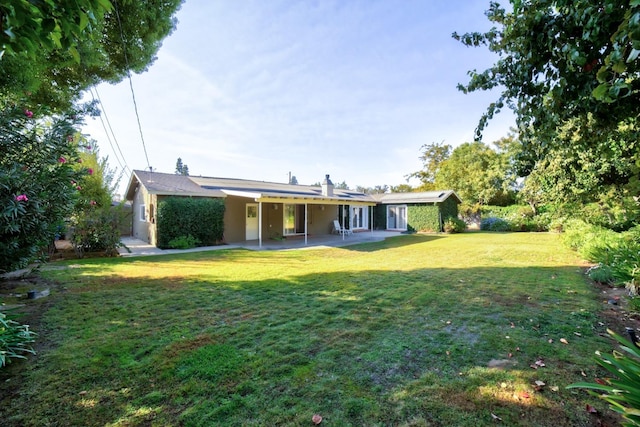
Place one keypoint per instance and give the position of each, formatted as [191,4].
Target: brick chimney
[327,187]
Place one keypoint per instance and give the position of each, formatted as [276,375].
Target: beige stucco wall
[272,220]
[140,228]
[321,219]
[234,220]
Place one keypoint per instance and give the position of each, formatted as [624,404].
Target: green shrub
[494,224]
[619,253]
[14,340]
[634,304]
[423,218]
[519,217]
[35,192]
[201,218]
[454,225]
[621,392]
[601,273]
[97,230]
[184,242]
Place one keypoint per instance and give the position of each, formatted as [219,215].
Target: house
[258,210]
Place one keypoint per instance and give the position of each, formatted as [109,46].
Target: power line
[125,167]
[133,95]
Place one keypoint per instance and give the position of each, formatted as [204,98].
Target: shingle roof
[180,185]
[171,184]
[168,184]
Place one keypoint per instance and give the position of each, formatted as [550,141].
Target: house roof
[275,190]
[168,185]
[179,185]
[421,197]
[199,186]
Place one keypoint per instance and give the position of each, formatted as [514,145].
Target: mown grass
[396,333]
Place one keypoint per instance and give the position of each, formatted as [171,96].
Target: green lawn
[396,333]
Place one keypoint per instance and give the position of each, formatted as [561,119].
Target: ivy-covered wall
[183,216]
[449,208]
[423,218]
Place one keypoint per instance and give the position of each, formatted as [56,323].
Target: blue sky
[258,89]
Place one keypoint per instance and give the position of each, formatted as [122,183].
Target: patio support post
[371,219]
[306,218]
[343,219]
[260,224]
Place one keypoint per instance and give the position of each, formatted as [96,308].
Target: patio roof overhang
[274,197]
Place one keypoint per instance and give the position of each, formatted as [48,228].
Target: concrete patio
[138,247]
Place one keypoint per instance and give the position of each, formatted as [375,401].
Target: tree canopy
[54,50]
[561,59]
[570,72]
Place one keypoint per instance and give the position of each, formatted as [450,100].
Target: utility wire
[124,167]
[133,95]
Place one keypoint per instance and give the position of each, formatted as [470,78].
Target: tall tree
[475,171]
[402,188]
[432,157]
[567,63]
[181,169]
[55,50]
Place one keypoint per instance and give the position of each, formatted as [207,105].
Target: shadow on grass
[359,347]
[394,242]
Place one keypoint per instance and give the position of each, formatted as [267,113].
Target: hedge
[423,218]
[200,218]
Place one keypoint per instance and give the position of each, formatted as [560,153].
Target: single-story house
[258,210]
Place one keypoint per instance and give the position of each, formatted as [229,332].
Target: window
[143,213]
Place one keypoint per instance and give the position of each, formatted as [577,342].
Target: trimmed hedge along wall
[423,218]
[184,216]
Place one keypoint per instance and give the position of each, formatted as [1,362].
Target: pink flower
[90,171]
[73,182]
[93,203]
[62,160]
[28,113]
[78,188]
[22,198]
[79,160]
[88,147]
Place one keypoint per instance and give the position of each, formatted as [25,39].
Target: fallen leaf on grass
[554,388]
[495,417]
[316,419]
[538,364]
[525,395]
[601,382]
[539,385]
[564,341]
